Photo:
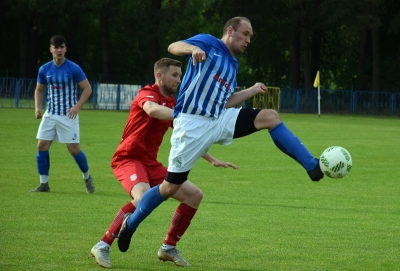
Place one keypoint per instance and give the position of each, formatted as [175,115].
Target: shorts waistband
[192,116]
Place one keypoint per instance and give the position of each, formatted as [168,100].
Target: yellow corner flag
[316,81]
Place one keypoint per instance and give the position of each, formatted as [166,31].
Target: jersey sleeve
[201,41]
[78,73]
[41,79]
[145,95]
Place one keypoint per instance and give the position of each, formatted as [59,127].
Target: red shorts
[130,172]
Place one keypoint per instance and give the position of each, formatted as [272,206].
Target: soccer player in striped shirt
[204,115]
[60,121]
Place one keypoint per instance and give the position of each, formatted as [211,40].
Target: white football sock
[44,178]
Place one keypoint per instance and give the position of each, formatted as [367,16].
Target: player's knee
[135,200]
[267,119]
[168,189]
[73,149]
[194,198]
[138,191]
[197,196]
[43,145]
[270,115]
[136,196]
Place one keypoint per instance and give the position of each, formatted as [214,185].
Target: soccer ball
[335,162]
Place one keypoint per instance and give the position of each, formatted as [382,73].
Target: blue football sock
[288,143]
[43,162]
[81,160]
[150,201]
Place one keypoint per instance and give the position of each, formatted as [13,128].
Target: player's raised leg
[287,142]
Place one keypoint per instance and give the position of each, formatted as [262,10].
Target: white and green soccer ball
[335,162]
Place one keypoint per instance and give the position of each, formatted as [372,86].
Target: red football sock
[180,222]
[115,226]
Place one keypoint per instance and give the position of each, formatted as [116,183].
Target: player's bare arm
[245,94]
[218,163]
[157,111]
[181,48]
[86,92]
[39,92]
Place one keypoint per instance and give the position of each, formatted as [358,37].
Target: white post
[319,102]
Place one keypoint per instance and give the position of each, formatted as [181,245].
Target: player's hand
[73,112]
[38,114]
[219,163]
[198,55]
[260,87]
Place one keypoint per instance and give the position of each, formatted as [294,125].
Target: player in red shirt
[135,162]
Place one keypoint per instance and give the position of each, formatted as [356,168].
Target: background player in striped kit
[204,115]
[60,122]
[135,162]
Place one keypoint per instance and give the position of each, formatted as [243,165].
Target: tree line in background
[354,44]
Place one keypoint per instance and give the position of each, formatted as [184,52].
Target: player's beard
[170,90]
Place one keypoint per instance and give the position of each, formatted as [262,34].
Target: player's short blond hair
[163,64]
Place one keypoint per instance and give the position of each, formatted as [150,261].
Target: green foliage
[267,215]
[140,31]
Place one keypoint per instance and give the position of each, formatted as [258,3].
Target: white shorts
[193,135]
[59,128]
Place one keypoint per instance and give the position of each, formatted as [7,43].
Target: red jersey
[143,134]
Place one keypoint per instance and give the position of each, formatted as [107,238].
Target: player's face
[240,38]
[58,51]
[171,80]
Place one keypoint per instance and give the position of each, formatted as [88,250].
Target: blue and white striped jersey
[206,87]
[61,85]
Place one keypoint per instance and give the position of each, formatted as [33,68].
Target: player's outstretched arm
[238,97]
[157,111]
[218,163]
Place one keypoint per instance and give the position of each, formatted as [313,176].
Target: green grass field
[267,215]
